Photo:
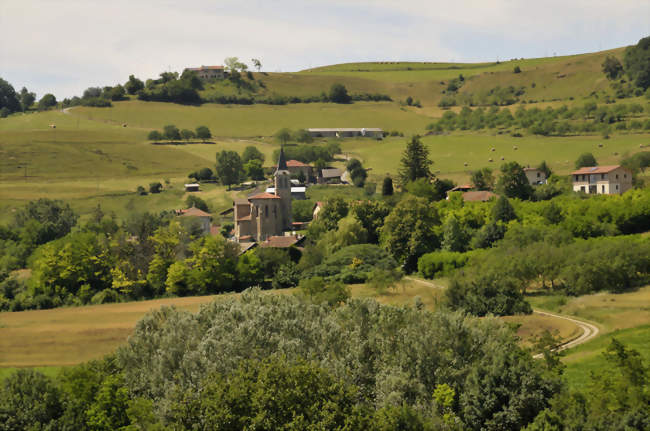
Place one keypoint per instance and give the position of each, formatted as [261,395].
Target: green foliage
[27,99]
[517,69]
[353,264]
[503,211]
[415,161]
[155,135]
[45,220]
[637,63]
[318,291]
[441,263]
[357,173]
[254,170]
[47,101]
[155,187]
[29,400]
[454,238]
[229,168]
[169,88]
[203,174]
[286,275]
[585,159]
[171,132]
[408,231]
[252,153]
[133,85]
[513,182]
[9,102]
[250,271]
[612,68]
[187,134]
[302,210]
[283,135]
[339,94]
[387,187]
[483,179]
[310,153]
[371,215]
[203,133]
[195,201]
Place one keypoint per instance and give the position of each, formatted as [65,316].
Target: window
[582,189]
[602,189]
[616,186]
[266,210]
[624,175]
[602,176]
[537,174]
[617,176]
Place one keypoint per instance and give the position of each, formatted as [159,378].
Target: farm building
[295,167]
[207,72]
[202,216]
[606,180]
[194,187]
[297,192]
[535,176]
[342,132]
[329,175]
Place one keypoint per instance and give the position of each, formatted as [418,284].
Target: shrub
[155,135]
[517,69]
[440,263]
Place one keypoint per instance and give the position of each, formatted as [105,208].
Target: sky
[65,46]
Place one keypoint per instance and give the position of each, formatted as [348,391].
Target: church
[264,215]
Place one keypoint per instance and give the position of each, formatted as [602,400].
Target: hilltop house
[265,215]
[535,176]
[608,180]
[295,167]
[207,72]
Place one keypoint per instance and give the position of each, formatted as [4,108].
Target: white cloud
[68,45]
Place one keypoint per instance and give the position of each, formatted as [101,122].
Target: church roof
[282,161]
[264,196]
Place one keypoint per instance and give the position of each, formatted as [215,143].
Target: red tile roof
[264,196]
[281,241]
[296,163]
[480,196]
[595,169]
[193,212]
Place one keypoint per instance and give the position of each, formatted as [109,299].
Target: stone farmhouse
[265,215]
[207,72]
[608,180]
[535,176]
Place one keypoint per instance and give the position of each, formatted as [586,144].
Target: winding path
[589,331]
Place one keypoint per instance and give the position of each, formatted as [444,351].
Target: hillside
[102,153]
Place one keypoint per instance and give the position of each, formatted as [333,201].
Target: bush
[517,69]
[339,94]
[155,135]
[155,187]
[353,264]
[440,263]
[141,191]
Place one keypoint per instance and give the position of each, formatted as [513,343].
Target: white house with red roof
[606,180]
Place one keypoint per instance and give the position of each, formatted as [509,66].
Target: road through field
[589,331]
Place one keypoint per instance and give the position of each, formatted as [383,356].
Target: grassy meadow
[624,316]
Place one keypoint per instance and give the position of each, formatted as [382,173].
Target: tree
[29,400]
[155,135]
[254,170]
[303,135]
[250,271]
[415,161]
[230,168]
[252,153]
[612,68]
[544,167]
[49,219]
[283,135]
[387,187]
[8,97]
[92,93]
[357,173]
[483,179]
[203,133]
[195,201]
[409,231]
[26,99]
[453,236]
[585,160]
[155,187]
[637,63]
[171,132]
[513,182]
[257,64]
[46,102]
[234,65]
[133,85]
[187,134]
[503,210]
[339,94]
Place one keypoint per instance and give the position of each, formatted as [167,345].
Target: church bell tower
[283,189]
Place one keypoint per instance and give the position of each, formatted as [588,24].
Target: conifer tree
[415,161]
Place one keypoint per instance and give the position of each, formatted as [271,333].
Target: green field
[624,316]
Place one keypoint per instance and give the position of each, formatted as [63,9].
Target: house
[343,132]
[296,167]
[264,215]
[535,176]
[608,180]
[478,196]
[207,72]
[202,216]
[194,187]
[329,175]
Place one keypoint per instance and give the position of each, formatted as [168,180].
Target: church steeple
[282,162]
